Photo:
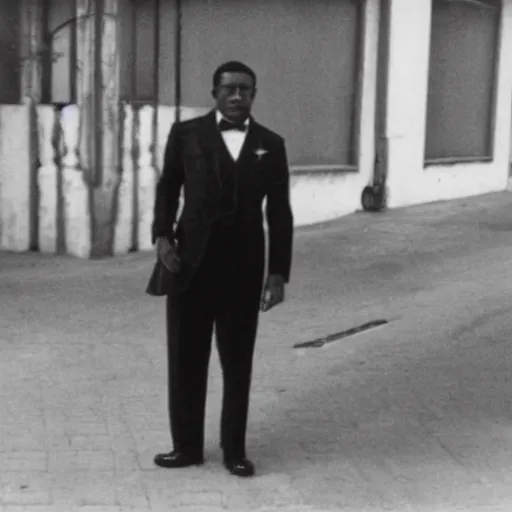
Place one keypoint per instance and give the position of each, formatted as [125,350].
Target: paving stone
[27,488]
[145,416]
[130,491]
[23,461]
[85,488]
[81,460]
[201,499]
[269,490]
[90,442]
[16,438]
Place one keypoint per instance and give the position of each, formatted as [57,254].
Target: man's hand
[166,252]
[273,292]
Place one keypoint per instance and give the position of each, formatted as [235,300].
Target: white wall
[409,181]
[76,221]
[14,177]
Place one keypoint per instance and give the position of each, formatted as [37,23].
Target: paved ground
[412,416]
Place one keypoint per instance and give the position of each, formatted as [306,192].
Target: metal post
[98,90]
[73,56]
[133,33]
[156,56]
[156,81]
[177,61]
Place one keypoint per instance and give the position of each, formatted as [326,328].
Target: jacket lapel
[210,142]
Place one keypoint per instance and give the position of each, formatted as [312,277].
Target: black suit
[221,243]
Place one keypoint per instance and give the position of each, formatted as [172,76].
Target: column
[31,60]
[47,181]
[31,50]
[98,102]
[407,83]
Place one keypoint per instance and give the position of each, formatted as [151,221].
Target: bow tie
[226,125]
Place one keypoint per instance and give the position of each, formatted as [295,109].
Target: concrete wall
[15,178]
[409,180]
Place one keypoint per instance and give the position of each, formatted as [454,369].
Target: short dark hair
[233,66]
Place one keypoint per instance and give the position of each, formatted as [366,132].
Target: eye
[232,88]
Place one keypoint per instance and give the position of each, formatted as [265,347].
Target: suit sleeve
[280,218]
[168,188]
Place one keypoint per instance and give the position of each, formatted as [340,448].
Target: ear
[214,93]
[254,91]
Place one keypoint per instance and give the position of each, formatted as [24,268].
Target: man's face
[234,96]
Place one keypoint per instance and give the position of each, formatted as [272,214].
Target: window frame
[491,123]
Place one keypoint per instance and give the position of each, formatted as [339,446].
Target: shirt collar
[219,117]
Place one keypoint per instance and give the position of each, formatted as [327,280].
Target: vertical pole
[133,75]
[31,44]
[156,57]
[135,124]
[156,80]
[177,60]
[73,56]
[382,93]
[98,102]
[98,90]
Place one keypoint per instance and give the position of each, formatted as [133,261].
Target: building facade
[413,98]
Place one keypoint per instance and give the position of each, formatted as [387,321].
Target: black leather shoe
[177,459]
[240,467]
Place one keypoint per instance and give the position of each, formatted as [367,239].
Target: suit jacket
[191,160]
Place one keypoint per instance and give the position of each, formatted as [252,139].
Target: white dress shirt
[234,139]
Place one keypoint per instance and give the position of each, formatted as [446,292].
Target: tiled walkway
[415,415]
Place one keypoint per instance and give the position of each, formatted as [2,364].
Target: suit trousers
[224,292]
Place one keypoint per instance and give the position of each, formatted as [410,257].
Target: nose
[237,93]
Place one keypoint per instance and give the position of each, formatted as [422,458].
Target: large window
[139,49]
[462,81]
[138,22]
[59,66]
[10,69]
[306,56]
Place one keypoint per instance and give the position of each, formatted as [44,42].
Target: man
[211,267]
